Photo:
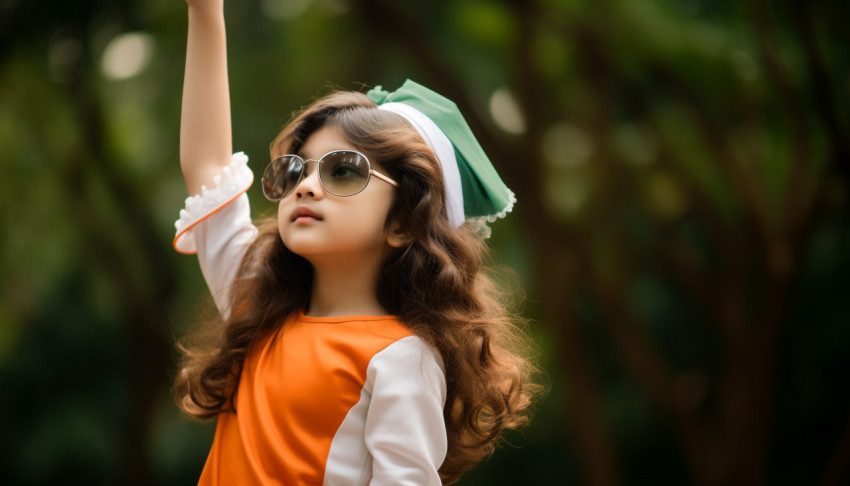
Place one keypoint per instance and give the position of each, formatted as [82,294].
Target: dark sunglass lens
[345,173]
[281,176]
[292,169]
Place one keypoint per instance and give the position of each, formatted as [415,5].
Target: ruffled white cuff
[234,180]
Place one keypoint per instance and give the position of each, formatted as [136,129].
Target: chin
[304,247]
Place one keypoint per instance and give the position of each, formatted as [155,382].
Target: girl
[358,340]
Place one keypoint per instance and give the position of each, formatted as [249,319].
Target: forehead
[326,139]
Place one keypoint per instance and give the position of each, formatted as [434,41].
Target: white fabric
[395,435]
[235,179]
[445,152]
[222,240]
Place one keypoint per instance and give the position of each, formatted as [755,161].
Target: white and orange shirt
[323,401]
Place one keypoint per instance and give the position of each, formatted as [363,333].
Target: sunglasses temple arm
[383,177]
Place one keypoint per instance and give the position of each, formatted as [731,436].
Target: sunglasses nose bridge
[310,181]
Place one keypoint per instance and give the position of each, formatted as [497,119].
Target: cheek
[283,210]
[362,229]
[376,216]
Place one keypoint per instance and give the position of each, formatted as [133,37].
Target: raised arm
[205,131]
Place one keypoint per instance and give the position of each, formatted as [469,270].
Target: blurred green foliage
[681,166]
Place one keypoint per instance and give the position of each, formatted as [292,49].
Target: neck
[340,290]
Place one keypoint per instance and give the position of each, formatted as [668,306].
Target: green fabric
[484,193]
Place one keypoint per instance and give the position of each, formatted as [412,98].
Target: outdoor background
[682,230]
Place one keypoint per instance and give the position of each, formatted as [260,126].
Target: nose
[310,185]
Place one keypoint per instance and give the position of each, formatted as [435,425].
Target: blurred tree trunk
[129,250]
[122,239]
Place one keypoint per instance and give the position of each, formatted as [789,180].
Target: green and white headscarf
[473,187]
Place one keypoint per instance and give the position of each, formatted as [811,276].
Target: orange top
[296,388]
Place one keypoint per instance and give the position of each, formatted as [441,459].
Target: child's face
[322,227]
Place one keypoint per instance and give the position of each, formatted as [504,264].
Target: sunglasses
[341,173]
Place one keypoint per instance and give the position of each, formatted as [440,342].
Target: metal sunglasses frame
[318,161]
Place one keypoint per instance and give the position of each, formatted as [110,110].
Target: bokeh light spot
[506,112]
[127,55]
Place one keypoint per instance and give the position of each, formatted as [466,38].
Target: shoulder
[408,365]
[410,347]
[401,343]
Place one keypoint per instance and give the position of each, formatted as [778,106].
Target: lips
[304,213]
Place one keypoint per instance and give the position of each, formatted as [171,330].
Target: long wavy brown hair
[436,285]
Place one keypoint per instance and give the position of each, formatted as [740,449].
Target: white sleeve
[405,430]
[216,225]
